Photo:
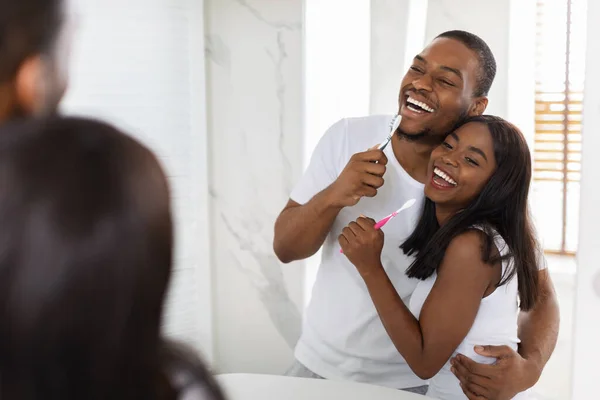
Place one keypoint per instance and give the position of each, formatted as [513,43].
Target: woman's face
[461,166]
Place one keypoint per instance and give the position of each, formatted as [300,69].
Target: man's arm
[300,230]
[538,328]
[515,372]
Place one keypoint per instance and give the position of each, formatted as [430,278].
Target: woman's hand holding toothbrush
[362,176]
[362,243]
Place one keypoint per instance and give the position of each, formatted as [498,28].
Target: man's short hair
[487,62]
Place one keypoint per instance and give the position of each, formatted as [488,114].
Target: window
[560,61]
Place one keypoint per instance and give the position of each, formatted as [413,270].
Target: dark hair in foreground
[27,28]
[501,205]
[487,62]
[85,261]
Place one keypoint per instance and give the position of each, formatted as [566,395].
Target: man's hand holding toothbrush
[301,229]
[361,177]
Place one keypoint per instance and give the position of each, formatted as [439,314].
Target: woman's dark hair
[85,261]
[501,206]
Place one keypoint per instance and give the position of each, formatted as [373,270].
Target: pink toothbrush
[384,221]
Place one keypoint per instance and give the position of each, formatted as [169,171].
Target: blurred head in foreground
[85,260]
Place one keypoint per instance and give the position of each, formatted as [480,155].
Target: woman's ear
[29,94]
[478,106]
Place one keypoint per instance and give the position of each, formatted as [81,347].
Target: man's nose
[423,83]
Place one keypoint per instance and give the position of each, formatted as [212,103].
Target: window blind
[560,60]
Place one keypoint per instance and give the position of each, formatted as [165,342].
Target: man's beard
[427,134]
[413,137]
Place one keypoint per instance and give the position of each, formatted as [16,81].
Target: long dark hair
[85,260]
[502,206]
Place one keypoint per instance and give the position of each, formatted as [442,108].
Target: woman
[476,254]
[85,260]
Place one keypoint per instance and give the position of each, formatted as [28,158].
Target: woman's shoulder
[475,246]
[188,375]
[468,242]
[491,237]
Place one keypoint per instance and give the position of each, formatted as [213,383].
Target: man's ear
[478,106]
[27,84]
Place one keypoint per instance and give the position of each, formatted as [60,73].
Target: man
[343,337]
[34,45]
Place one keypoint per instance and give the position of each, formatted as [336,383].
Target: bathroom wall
[255,129]
[149,81]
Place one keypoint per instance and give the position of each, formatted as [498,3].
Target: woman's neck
[444,213]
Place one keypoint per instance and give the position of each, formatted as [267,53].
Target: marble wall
[255,125]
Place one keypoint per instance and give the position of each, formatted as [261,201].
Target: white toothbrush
[393,126]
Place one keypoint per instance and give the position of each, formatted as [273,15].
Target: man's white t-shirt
[343,337]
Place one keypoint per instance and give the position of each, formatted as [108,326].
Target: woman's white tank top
[495,324]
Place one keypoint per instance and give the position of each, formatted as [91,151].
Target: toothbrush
[384,221]
[393,126]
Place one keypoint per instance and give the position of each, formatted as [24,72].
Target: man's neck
[414,156]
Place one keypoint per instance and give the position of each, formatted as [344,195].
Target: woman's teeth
[444,176]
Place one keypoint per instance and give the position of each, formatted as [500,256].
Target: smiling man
[343,337]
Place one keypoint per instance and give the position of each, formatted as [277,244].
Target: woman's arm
[450,308]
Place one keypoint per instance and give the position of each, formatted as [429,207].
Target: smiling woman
[476,256]
[489,162]
[460,168]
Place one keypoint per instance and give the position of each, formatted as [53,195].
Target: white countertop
[274,387]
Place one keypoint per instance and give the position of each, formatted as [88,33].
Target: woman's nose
[450,161]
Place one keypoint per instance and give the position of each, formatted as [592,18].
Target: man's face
[437,91]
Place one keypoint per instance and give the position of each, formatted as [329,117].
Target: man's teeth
[444,176]
[424,106]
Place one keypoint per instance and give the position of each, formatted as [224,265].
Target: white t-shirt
[343,337]
[495,324]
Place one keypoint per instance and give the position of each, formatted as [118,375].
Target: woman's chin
[436,195]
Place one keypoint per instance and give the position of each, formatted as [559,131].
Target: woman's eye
[447,145]
[471,161]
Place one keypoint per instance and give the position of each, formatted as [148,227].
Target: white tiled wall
[140,64]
